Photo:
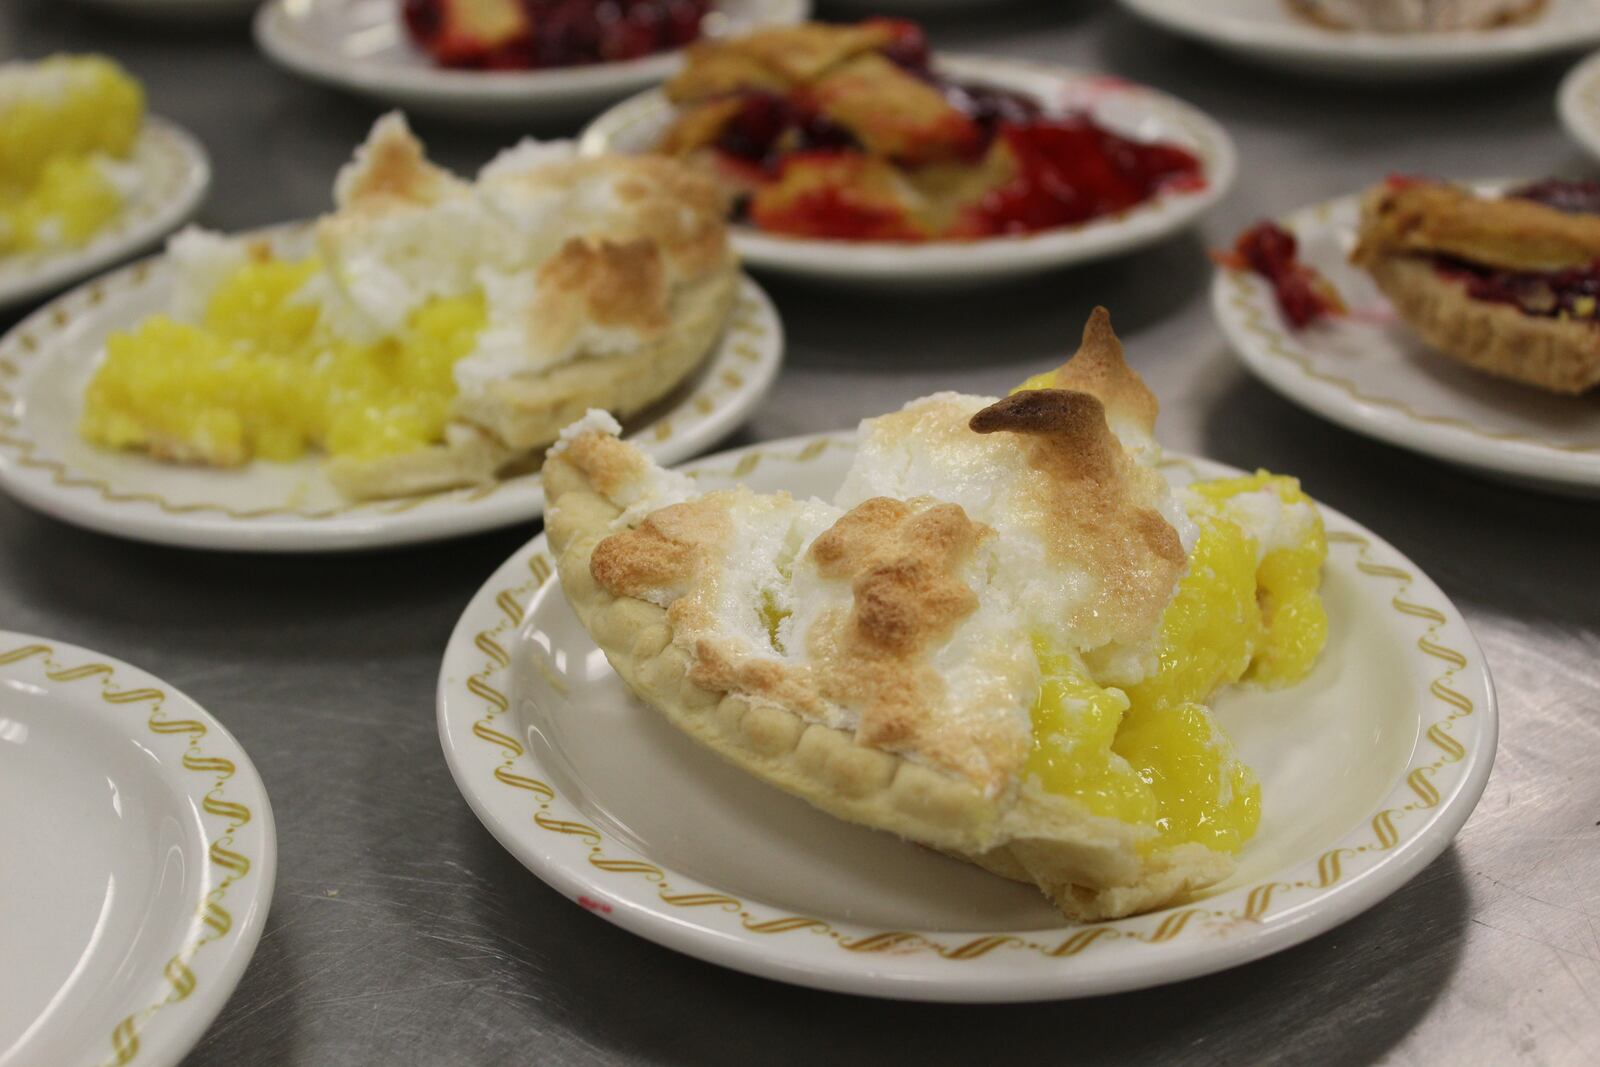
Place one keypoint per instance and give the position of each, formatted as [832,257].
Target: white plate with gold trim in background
[1578,104]
[1368,768]
[139,858]
[636,124]
[362,46]
[172,174]
[1268,33]
[46,362]
[1369,373]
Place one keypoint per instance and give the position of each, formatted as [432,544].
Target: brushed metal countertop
[401,933]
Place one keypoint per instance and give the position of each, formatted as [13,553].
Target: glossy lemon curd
[1294,625]
[58,117]
[258,378]
[1152,754]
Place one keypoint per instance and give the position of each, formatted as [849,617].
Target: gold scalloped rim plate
[140,906]
[47,359]
[175,173]
[1369,768]
[1369,373]
[1149,114]
[1578,104]
[1266,32]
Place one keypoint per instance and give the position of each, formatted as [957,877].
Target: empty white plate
[138,861]
[1368,768]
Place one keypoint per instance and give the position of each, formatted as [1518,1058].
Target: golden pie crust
[891,112]
[1435,218]
[902,768]
[1557,355]
[777,58]
[1404,225]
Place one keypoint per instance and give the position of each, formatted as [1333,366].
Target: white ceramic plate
[1265,32]
[361,45]
[174,174]
[139,861]
[47,360]
[636,124]
[1368,769]
[1578,103]
[1371,374]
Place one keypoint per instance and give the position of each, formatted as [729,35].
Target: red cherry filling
[1573,197]
[769,126]
[1072,170]
[531,34]
[1269,250]
[1573,293]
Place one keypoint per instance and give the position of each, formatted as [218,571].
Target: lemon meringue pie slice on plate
[394,370]
[996,640]
[438,330]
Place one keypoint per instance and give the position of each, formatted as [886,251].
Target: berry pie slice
[850,132]
[1508,284]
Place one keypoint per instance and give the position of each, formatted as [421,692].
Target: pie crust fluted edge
[1083,863]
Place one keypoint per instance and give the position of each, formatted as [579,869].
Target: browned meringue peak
[1100,369]
[391,169]
[1102,504]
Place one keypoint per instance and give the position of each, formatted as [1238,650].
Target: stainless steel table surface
[401,933]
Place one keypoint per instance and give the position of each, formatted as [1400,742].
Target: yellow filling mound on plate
[257,378]
[59,118]
[1152,754]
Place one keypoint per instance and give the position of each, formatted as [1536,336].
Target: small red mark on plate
[595,905]
[1108,82]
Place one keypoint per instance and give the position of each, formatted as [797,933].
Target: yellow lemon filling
[58,117]
[1294,624]
[258,377]
[1152,754]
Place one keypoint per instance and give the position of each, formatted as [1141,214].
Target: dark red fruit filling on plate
[769,126]
[1073,169]
[1303,294]
[1573,197]
[1070,169]
[1573,293]
[533,34]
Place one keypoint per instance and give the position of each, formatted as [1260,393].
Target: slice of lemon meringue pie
[437,331]
[995,641]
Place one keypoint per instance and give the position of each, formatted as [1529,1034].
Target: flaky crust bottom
[1560,356]
[516,418]
[1089,867]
